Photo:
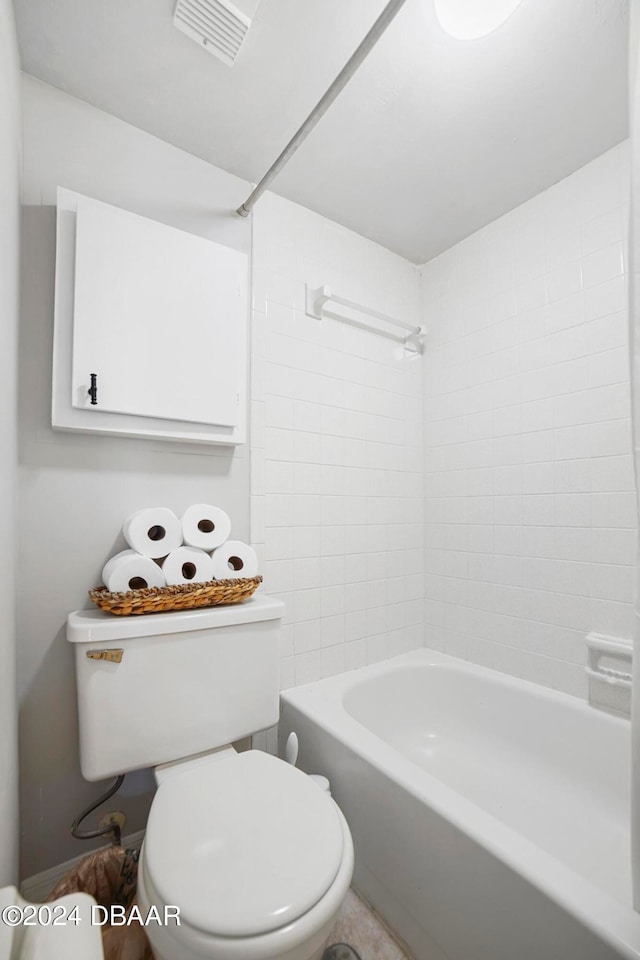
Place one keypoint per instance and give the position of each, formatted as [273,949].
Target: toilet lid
[242,846]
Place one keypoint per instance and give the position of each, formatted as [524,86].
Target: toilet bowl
[255,858]
[261,878]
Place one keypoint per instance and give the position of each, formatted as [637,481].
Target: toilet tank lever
[114,655]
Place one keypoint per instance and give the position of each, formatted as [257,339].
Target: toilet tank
[160,687]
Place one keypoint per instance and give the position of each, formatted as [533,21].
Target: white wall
[9,248]
[76,490]
[336,447]
[530,515]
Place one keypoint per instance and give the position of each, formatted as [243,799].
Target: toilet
[256,859]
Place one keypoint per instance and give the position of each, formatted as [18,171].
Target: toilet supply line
[112,829]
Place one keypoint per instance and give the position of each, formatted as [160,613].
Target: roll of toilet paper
[187,565]
[234,559]
[154,532]
[129,570]
[205,526]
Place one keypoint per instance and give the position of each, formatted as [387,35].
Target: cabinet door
[157,318]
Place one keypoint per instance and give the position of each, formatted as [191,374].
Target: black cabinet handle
[93,389]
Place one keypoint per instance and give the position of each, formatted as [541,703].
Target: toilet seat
[244,846]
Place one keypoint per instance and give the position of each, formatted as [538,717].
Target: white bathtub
[490,816]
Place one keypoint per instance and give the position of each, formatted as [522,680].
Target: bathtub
[490,816]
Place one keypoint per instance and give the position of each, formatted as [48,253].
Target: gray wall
[75,490]
[9,248]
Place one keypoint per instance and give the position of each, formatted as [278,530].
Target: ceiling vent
[216,25]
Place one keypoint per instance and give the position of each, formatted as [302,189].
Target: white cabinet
[150,328]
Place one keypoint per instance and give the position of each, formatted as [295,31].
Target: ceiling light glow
[471,19]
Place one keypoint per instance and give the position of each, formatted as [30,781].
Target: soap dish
[186,596]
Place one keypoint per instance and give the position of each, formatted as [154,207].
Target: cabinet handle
[93,389]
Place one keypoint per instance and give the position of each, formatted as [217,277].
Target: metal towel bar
[315,306]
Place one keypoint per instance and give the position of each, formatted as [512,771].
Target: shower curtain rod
[323,104]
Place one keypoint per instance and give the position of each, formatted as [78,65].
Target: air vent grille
[217,26]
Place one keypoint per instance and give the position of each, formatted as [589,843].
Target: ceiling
[431,139]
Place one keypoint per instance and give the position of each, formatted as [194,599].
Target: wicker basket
[187,596]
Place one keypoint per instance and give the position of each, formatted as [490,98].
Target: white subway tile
[538,510]
[278,411]
[278,510]
[611,582]
[531,294]
[572,543]
[306,636]
[609,402]
[278,443]
[611,367]
[605,298]
[279,543]
[614,545]
[308,667]
[538,478]
[355,654]
[610,438]
[278,476]
[572,476]
[306,447]
[571,409]
[569,377]
[539,541]
[601,265]
[613,510]
[572,612]
[306,605]
[507,421]
[568,344]
[307,573]
[537,447]
[507,480]
[572,509]
[572,443]
[507,450]
[601,231]
[612,617]
[605,333]
[287,672]
[306,541]
[611,474]
[332,631]
[537,415]
[508,510]
[565,281]
[280,379]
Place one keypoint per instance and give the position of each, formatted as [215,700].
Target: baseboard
[36,889]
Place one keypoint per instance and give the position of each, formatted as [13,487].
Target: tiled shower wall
[530,516]
[336,447]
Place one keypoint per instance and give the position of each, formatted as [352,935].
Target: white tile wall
[530,514]
[336,447]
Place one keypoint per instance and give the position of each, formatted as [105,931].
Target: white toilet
[254,855]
